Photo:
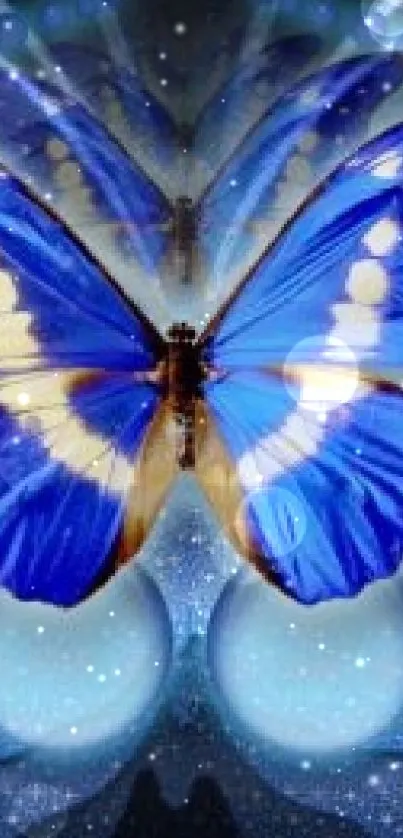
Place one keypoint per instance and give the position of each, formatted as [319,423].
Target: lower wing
[306,393]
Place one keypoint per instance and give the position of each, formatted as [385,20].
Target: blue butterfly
[287,406]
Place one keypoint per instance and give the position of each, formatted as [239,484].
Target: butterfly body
[184,378]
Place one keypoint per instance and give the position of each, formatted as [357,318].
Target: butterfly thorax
[184,375]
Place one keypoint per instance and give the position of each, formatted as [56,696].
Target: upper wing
[53,142]
[307,389]
[242,100]
[118,96]
[76,403]
[298,142]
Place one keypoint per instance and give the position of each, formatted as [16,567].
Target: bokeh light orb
[74,679]
[321,373]
[384,21]
[311,680]
[285,517]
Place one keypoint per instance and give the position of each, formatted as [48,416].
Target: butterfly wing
[297,143]
[78,408]
[118,96]
[305,387]
[241,101]
[54,143]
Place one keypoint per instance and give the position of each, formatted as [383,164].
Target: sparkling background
[153,711]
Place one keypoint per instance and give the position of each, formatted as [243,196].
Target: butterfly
[286,406]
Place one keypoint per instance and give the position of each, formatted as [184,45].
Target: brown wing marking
[153,474]
[218,478]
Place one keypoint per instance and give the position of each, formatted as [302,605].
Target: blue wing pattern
[297,143]
[55,144]
[75,405]
[307,391]
[118,97]
[242,100]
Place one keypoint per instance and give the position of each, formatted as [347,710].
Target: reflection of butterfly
[287,407]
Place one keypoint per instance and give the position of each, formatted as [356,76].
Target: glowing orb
[285,517]
[321,373]
[73,679]
[313,680]
[384,20]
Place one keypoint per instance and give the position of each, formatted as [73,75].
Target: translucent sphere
[311,680]
[384,20]
[76,679]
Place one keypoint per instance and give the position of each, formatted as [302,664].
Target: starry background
[183,755]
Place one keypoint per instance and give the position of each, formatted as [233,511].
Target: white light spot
[180,28]
[23,399]
[90,668]
[40,629]
[101,679]
[74,731]
[164,82]
[306,765]
[360,663]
